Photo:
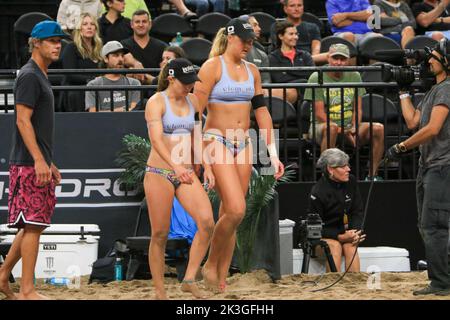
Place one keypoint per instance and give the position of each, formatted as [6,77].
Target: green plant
[261,191]
[133,158]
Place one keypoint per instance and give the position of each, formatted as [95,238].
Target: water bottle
[234,5]
[178,39]
[118,269]
[58,281]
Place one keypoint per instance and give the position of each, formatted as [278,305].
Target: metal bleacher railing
[293,122]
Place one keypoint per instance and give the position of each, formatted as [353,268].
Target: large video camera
[310,229]
[406,75]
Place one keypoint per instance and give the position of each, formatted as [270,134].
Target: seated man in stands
[113,26]
[256,55]
[433,18]
[336,198]
[144,51]
[112,53]
[339,55]
[398,22]
[349,19]
[308,33]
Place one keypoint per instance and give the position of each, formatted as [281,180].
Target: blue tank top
[173,124]
[230,91]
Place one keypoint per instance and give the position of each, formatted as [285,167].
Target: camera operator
[336,198]
[433,178]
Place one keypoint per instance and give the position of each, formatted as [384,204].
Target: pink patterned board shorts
[27,202]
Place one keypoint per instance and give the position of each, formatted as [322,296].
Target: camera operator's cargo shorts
[29,203]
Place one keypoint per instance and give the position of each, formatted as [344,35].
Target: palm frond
[133,158]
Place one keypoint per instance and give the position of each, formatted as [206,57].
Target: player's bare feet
[32,296]
[209,277]
[191,286]
[4,287]
[222,287]
[161,295]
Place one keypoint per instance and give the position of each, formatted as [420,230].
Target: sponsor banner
[84,188]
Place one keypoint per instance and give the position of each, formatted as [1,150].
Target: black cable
[357,245]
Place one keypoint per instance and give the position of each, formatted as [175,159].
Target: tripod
[309,247]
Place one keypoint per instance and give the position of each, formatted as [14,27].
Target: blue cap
[47,29]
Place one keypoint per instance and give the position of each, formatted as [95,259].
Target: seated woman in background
[169,53]
[287,55]
[336,198]
[83,53]
[397,20]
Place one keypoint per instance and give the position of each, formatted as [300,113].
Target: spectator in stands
[349,19]
[83,53]
[336,198]
[169,53]
[131,6]
[308,33]
[339,55]
[144,51]
[69,12]
[256,55]
[183,10]
[397,20]
[288,55]
[113,26]
[201,6]
[433,18]
[113,55]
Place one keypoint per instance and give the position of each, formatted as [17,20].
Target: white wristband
[404,96]
[272,149]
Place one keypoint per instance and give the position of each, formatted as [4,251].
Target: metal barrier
[297,147]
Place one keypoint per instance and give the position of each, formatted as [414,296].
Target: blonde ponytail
[219,44]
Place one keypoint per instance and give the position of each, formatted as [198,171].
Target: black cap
[242,29]
[183,70]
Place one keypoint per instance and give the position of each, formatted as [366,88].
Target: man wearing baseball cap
[32,173]
[113,56]
[338,56]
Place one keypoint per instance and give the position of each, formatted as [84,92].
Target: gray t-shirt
[436,151]
[104,97]
[33,90]
[260,59]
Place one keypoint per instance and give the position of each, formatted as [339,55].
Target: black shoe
[432,290]
[422,265]
[444,292]
[189,15]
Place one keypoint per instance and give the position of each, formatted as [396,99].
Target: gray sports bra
[230,91]
[173,124]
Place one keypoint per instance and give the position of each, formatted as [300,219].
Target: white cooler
[372,259]
[65,250]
